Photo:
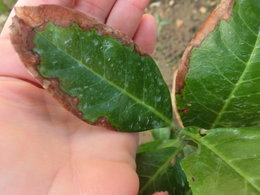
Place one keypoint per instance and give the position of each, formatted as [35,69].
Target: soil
[178,21]
[184,17]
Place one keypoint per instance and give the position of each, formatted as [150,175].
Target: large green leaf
[159,169]
[110,79]
[96,72]
[222,85]
[227,161]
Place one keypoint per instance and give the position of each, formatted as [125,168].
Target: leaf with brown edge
[217,82]
[97,73]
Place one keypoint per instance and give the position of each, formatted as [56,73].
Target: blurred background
[177,20]
[5,7]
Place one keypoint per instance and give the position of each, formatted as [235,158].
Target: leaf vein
[222,157]
[217,119]
[248,27]
[159,171]
[144,104]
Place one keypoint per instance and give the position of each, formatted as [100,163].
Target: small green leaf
[159,170]
[222,83]
[162,133]
[157,144]
[227,161]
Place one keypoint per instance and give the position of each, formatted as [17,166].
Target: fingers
[126,15]
[98,9]
[5,31]
[38,2]
[146,34]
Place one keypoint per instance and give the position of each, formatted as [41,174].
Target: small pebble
[179,23]
[203,10]
[155,4]
[171,3]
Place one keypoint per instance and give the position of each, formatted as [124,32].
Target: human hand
[45,149]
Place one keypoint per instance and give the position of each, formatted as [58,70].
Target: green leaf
[159,170]
[162,133]
[111,80]
[227,161]
[97,73]
[222,85]
[157,144]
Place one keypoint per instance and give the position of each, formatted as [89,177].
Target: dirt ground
[178,20]
[182,18]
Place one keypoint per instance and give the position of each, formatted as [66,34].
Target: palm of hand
[46,150]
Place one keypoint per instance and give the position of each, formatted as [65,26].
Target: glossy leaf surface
[160,170]
[222,83]
[227,162]
[110,79]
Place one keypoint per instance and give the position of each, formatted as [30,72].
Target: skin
[45,149]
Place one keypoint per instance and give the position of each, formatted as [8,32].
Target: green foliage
[157,144]
[226,162]
[109,79]
[222,89]
[3,8]
[222,85]
[162,133]
[161,23]
[6,6]
[159,170]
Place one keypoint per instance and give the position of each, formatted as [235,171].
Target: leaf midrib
[222,157]
[150,108]
[161,169]
[236,86]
